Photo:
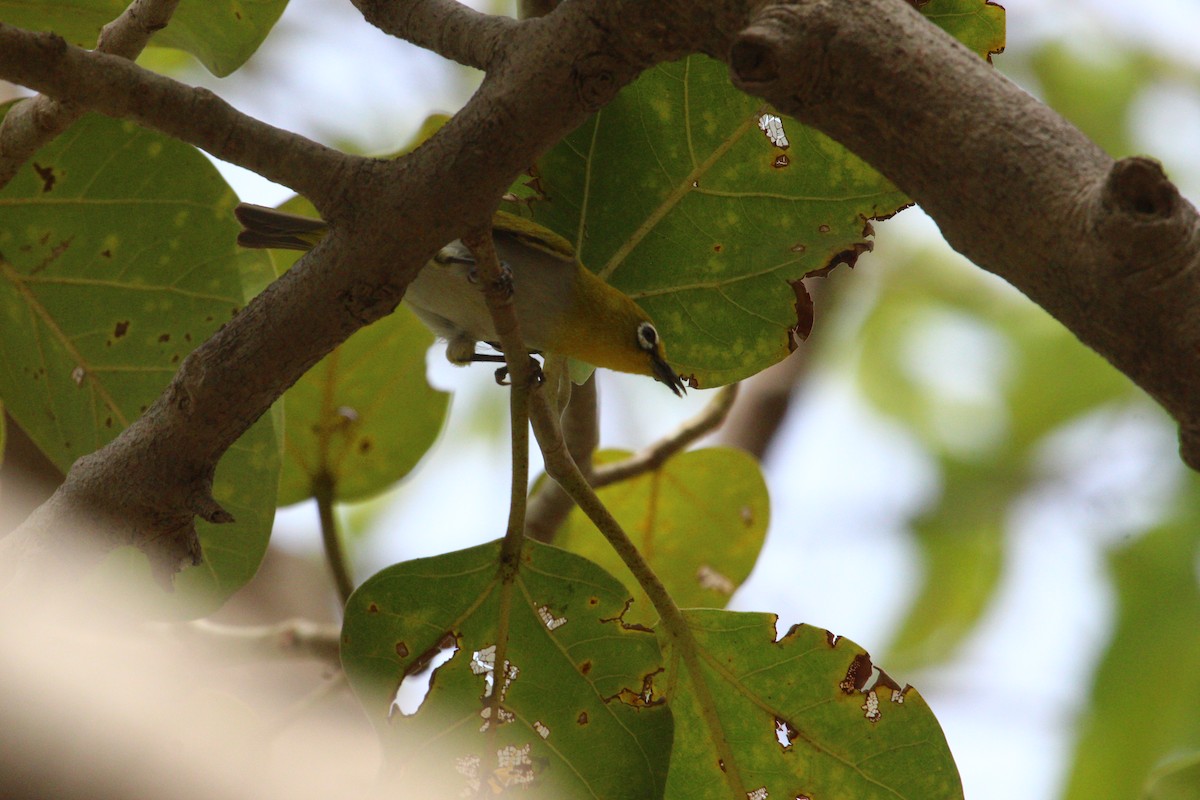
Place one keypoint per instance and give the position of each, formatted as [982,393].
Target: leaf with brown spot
[81,356]
[708,168]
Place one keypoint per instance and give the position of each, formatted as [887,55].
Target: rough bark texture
[1109,248]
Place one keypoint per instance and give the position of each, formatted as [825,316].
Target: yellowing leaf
[700,520]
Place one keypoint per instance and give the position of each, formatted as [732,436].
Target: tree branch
[446,27]
[32,123]
[293,638]
[112,85]
[1110,249]
[653,457]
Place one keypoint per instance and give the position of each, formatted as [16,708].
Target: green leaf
[1144,702]
[117,258]
[221,33]
[700,520]
[342,418]
[802,717]
[701,204]
[674,195]
[586,721]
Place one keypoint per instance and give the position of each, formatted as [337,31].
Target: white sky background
[843,478]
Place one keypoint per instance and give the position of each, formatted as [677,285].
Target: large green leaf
[806,716]
[700,520]
[221,33]
[699,202]
[581,712]
[1145,705]
[365,415]
[117,258]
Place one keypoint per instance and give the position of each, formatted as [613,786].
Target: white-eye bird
[561,307]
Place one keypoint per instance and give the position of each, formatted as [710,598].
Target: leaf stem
[561,467]
[498,294]
[335,553]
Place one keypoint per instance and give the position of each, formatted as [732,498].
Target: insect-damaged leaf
[117,258]
[704,205]
[581,711]
[803,717]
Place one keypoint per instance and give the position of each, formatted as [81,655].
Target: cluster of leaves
[117,257]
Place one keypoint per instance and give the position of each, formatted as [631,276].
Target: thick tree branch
[34,122]
[1110,249]
[114,86]
[446,27]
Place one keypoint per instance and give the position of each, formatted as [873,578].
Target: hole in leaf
[418,680]
[784,733]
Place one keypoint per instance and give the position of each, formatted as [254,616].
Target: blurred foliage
[984,379]
[1144,702]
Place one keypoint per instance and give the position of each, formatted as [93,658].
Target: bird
[562,308]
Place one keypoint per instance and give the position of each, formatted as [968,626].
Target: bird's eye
[647,336]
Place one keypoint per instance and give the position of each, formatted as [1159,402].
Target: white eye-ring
[647,336]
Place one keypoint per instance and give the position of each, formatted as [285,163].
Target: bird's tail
[271,229]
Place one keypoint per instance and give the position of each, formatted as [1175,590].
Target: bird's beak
[664,373]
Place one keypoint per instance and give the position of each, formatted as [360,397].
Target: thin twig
[656,454]
[293,638]
[33,123]
[335,551]
[117,87]
[765,400]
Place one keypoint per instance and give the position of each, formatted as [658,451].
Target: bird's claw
[536,377]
